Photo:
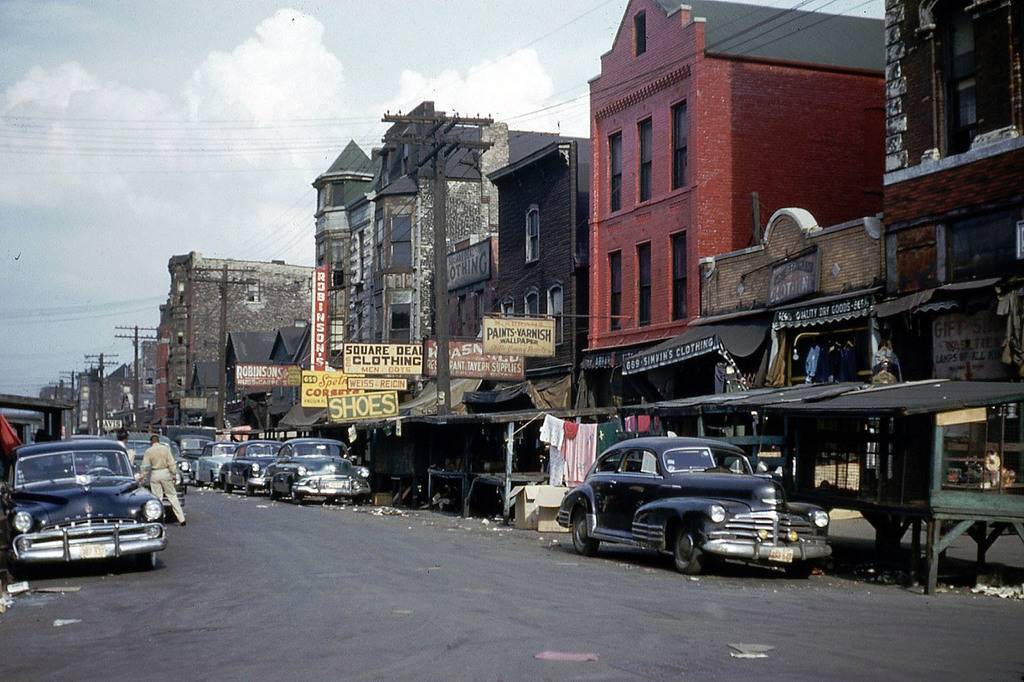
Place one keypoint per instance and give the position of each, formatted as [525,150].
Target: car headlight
[302,471]
[255,468]
[152,510]
[820,518]
[363,472]
[22,522]
[717,513]
[184,466]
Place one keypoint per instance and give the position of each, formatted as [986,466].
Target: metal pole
[441,283]
[509,446]
[102,399]
[135,380]
[222,350]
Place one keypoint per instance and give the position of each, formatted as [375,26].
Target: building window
[338,194]
[983,246]
[532,234]
[321,200]
[181,338]
[679,276]
[615,298]
[531,303]
[379,245]
[401,241]
[640,33]
[508,307]
[960,83]
[615,168]
[400,322]
[680,132]
[643,266]
[252,292]
[555,311]
[644,134]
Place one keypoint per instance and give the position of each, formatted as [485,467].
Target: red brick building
[696,108]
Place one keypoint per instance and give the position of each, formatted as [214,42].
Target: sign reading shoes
[530,337]
[317,387]
[349,408]
[405,359]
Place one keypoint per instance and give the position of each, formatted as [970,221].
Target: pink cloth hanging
[580,453]
[570,429]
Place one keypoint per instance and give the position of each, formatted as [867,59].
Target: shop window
[401,241]
[643,264]
[961,87]
[532,303]
[532,234]
[984,245]
[399,322]
[679,276]
[639,34]
[615,293]
[982,451]
[615,171]
[644,133]
[680,136]
[555,310]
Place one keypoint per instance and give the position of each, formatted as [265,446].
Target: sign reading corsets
[469,265]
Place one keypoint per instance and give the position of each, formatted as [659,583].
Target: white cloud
[49,88]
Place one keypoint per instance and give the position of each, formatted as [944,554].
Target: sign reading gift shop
[467,360]
[318,387]
[252,375]
[349,408]
[969,347]
[684,351]
[404,359]
[526,336]
[318,320]
[469,265]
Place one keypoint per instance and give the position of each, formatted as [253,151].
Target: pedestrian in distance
[158,463]
[122,438]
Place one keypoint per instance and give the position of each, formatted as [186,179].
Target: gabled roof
[351,160]
[251,346]
[538,148]
[205,375]
[523,143]
[288,343]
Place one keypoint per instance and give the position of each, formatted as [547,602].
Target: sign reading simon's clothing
[819,313]
[469,265]
[793,278]
[684,351]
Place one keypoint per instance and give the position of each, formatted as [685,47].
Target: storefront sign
[793,279]
[251,375]
[192,403]
[968,346]
[317,387]
[606,360]
[529,337]
[470,265]
[349,408]
[377,384]
[691,349]
[318,320]
[383,358]
[467,360]
[1020,240]
[822,312]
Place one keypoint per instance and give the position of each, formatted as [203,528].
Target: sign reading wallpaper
[530,337]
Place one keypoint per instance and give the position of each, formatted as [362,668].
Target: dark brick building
[698,106]
[954,187]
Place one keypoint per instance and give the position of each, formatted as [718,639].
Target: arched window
[532,234]
[531,302]
[555,311]
[508,307]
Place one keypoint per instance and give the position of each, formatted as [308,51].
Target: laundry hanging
[556,466]
[552,431]
[580,453]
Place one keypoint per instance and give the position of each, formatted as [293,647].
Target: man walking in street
[159,464]
[122,438]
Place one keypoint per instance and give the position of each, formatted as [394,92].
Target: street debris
[5,602]
[1003,592]
[61,622]
[264,506]
[380,511]
[17,588]
[871,573]
[694,579]
[58,589]
[485,522]
[750,650]
[568,656]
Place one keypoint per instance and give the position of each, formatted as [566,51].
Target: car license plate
[781,554]
[337,485]
[94,551]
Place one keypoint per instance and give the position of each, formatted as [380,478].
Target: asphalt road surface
[251,590]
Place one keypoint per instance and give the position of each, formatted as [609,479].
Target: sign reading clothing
[467,360]
[469,265]
[349,408]
[529,337]
[822,312]
[404,359]
[684,351]
[253,375]
[318,320]
[317,387]
[794,278]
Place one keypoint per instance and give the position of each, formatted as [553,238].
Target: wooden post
[934,525]
[915,551]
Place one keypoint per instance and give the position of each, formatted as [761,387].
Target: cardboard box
[382,499]
[537,507]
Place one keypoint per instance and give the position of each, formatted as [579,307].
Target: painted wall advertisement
[794,278]
[467,360]
[349,408]
[318,320]
[403,359]
[469,265]
[530,337]
[969,346]
[254,375]
[317,387]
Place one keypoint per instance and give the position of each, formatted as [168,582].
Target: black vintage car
[248,469]
[191,448]
[75,500]
[692,497]
[317,467]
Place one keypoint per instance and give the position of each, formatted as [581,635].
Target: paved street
[252,592]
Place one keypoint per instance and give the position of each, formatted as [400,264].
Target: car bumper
[257,482]
[91,541]
[762,551]
[331,487]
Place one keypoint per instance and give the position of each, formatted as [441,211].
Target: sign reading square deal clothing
[530,337]
[387,359]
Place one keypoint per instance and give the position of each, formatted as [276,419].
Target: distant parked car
[191,447]
[317,467]
[75,500]
[692,497]
[248,469]
[215,454]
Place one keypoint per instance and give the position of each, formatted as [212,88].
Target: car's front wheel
[249,490]
[296,496]
[228,488]
[145,562]
[686,555]
[581,540]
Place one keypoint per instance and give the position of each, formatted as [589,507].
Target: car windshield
[220,449]
[316,450]
[62,466]
[261,450]
[192,443]
[688,459]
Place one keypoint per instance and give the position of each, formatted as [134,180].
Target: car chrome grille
[778,526]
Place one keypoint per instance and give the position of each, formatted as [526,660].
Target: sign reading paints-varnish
[530,337]
[404,359]
[349,408]
[317,387]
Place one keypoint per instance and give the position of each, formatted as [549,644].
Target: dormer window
[640,34]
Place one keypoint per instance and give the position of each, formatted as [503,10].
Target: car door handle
[677,487]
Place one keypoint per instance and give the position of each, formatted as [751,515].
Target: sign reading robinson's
[317,387]
[318,320]
[253,375]
[383,358]
[529,337]
[348,408]
[467,360]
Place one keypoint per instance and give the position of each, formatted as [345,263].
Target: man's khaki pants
[161,483]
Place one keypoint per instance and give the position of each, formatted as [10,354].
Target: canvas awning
[739,339]
[921,301]
[825,309]
[300,416]
[426,401]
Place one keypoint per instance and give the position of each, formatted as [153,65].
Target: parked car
[191,447]
[77,500]
[692,498]
[137,448]
[248,468]
[208,467]
[317,467]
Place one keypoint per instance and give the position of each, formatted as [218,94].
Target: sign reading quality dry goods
[348,408]
[467,360]
[404,359]
[529,337]
[252,375]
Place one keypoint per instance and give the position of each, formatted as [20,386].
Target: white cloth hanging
[552,431]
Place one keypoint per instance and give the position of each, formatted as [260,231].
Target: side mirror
[762,468]
[777,473]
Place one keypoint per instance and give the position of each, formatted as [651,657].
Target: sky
[133,131]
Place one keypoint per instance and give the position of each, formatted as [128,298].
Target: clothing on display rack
[811,363]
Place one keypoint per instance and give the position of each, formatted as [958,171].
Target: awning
[740,340]
[921,301]
[426,401]
[903,304]
[971,285]
[919,397]
[300,416]
[825,309]
[504,394]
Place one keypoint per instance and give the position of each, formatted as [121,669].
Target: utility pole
[433,134]
[134,337]
[74,398]
[101,410]
[223,282]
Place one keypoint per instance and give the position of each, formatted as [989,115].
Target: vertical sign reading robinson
[318,320]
